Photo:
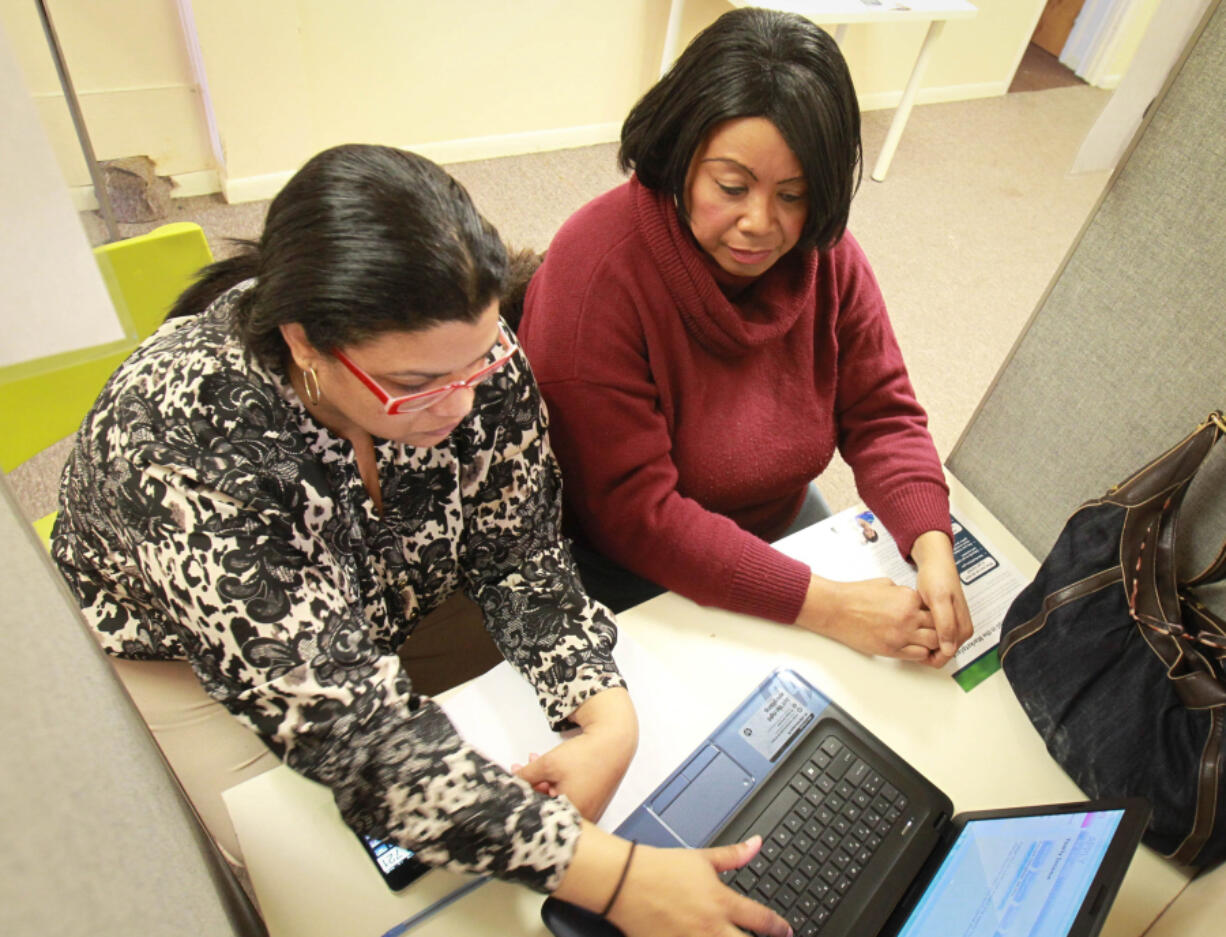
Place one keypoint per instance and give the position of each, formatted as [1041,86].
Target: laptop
[857,843]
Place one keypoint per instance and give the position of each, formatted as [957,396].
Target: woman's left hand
[588,767]
[940,589]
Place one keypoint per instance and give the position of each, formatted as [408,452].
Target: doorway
[1040,68]
[1055,24]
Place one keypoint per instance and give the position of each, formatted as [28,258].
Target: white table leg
[839,32]
[670,35]
[908,99]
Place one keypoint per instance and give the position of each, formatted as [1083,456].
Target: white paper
[497,714]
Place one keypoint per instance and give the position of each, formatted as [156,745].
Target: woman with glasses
[707,334]
[331,434]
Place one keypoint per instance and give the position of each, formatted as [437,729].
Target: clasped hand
[926,624]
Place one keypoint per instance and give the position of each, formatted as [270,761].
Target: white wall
[51,294]
[454,79]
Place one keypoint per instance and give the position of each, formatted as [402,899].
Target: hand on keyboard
[678,892]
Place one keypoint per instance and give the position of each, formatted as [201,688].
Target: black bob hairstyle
[362,240]
[755,63]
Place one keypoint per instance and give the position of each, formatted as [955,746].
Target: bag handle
[1217,567]
[1173,468]
[1153,497]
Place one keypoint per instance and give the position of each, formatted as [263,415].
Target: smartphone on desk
[397,865]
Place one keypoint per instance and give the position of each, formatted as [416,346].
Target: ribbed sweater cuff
[911,510]
[768,584]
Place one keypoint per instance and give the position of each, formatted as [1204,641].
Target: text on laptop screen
[1015,876]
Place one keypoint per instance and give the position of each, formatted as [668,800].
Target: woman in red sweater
[706,334]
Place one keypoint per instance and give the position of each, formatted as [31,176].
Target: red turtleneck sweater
[688,424]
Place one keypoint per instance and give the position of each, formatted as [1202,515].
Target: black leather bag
[1120,666]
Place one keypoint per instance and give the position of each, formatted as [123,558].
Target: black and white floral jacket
[206,516]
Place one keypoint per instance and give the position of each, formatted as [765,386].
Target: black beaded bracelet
[621,881]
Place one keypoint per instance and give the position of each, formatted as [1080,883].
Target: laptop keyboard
[819,833]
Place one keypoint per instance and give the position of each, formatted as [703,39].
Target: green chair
[46,400]
[146,274]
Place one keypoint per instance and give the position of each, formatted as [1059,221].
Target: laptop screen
[1021,876]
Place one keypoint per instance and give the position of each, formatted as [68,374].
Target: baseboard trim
[252,188]
[187,185]
[519,144]
[255,188]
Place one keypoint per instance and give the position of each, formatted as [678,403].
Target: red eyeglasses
[499,355]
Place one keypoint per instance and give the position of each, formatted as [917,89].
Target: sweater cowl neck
[763,311]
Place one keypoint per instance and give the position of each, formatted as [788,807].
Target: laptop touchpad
[702,796]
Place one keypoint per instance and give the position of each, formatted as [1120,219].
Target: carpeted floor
[976,216]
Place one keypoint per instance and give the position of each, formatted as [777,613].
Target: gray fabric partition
[1126,353]
[96,837]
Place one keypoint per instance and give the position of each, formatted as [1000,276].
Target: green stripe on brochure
[978,670]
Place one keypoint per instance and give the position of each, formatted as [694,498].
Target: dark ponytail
[216,278]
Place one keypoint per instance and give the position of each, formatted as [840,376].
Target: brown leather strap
[1216,568]
[1174,467]
[1147,548]
[1209,778]
[1150,565]
[1153,497]
[1053,601]
[1200,689]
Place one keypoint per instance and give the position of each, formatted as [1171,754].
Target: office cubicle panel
[95,836]
[1127,350]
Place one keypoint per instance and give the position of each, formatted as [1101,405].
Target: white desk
[312,878]
[841,13]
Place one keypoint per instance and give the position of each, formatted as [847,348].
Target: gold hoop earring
[310,383]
